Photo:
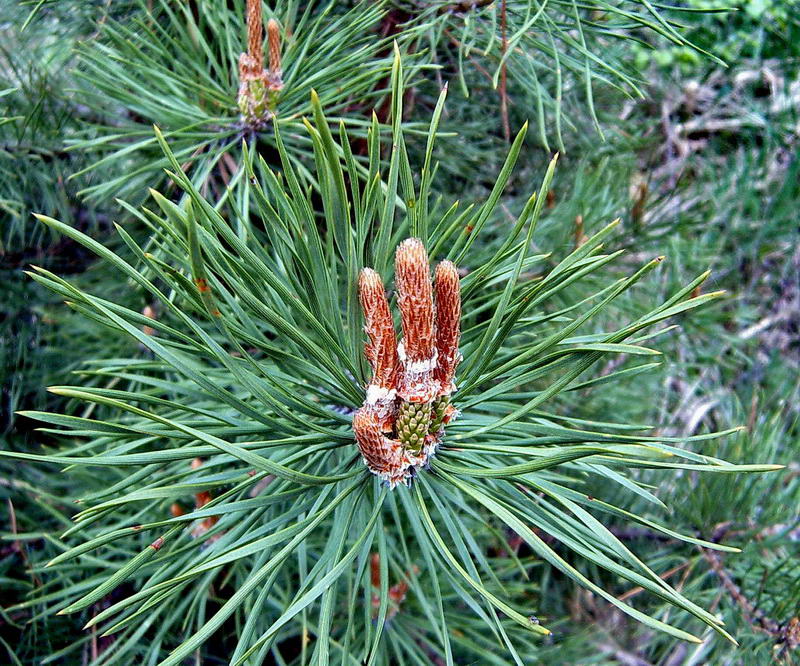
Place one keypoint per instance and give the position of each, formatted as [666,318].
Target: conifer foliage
[199,71]
[345,388]
[246,408]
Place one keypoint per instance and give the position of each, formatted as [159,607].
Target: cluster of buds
[407,404]
[259,88]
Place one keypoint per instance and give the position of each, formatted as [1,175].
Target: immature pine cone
[413,422]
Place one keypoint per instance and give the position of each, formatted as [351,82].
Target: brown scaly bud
[638,193]
[202,498]
[383,456]
[274,47]
[417,351]
[378,325]
[397,592]
[255,34]
[448,325]
[580,237]
[380,349]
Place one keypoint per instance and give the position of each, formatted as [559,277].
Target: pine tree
[255,477]
[255,374]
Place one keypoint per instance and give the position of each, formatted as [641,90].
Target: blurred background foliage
[698,159]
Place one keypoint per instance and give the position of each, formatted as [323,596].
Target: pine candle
[407,403]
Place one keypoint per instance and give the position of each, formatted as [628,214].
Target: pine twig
[750,613]
[786,635]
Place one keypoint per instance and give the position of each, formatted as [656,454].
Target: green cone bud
[438,411]
[413,421]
